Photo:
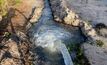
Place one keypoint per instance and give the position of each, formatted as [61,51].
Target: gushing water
[47,34]
[65,53]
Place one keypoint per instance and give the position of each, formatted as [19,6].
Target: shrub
[99,43]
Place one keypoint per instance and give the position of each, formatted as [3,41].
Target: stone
[103,32]
[94,11]
[8,61]
[9,54]
[39,4]
[13,48]
[88,30]
[0,18]
[28,11]
[94,54]
[65,14]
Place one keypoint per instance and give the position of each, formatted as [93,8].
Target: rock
[103,32]
[17,47]
[13,48]
[94,11]
[58,9]
[0,18]
[95,55]
[8,61]
[26,11]
[63,12]
[104,40]
[36,13]
[22,36]
[9,54]
[88,31]
[1,54]
[39,4]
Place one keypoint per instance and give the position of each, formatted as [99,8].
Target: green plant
[71,47]
[80,58]
[7,34]
[17,1]
[99,43]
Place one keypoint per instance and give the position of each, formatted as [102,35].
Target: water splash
[47,34]
[65,53]
[53,41]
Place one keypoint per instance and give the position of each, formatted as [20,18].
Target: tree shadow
[6,21]
[27,18]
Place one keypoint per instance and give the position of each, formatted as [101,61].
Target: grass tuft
[4,5]
[99,43]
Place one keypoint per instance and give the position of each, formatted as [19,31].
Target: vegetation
[4,4]
[80,58]
[7,34]
[99,43]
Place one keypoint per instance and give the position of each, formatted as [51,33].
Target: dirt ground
[14,43]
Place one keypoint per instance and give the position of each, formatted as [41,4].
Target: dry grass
[4,5]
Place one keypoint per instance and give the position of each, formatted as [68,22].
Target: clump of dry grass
[4,4]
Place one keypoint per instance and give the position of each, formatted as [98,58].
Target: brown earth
[14,43]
